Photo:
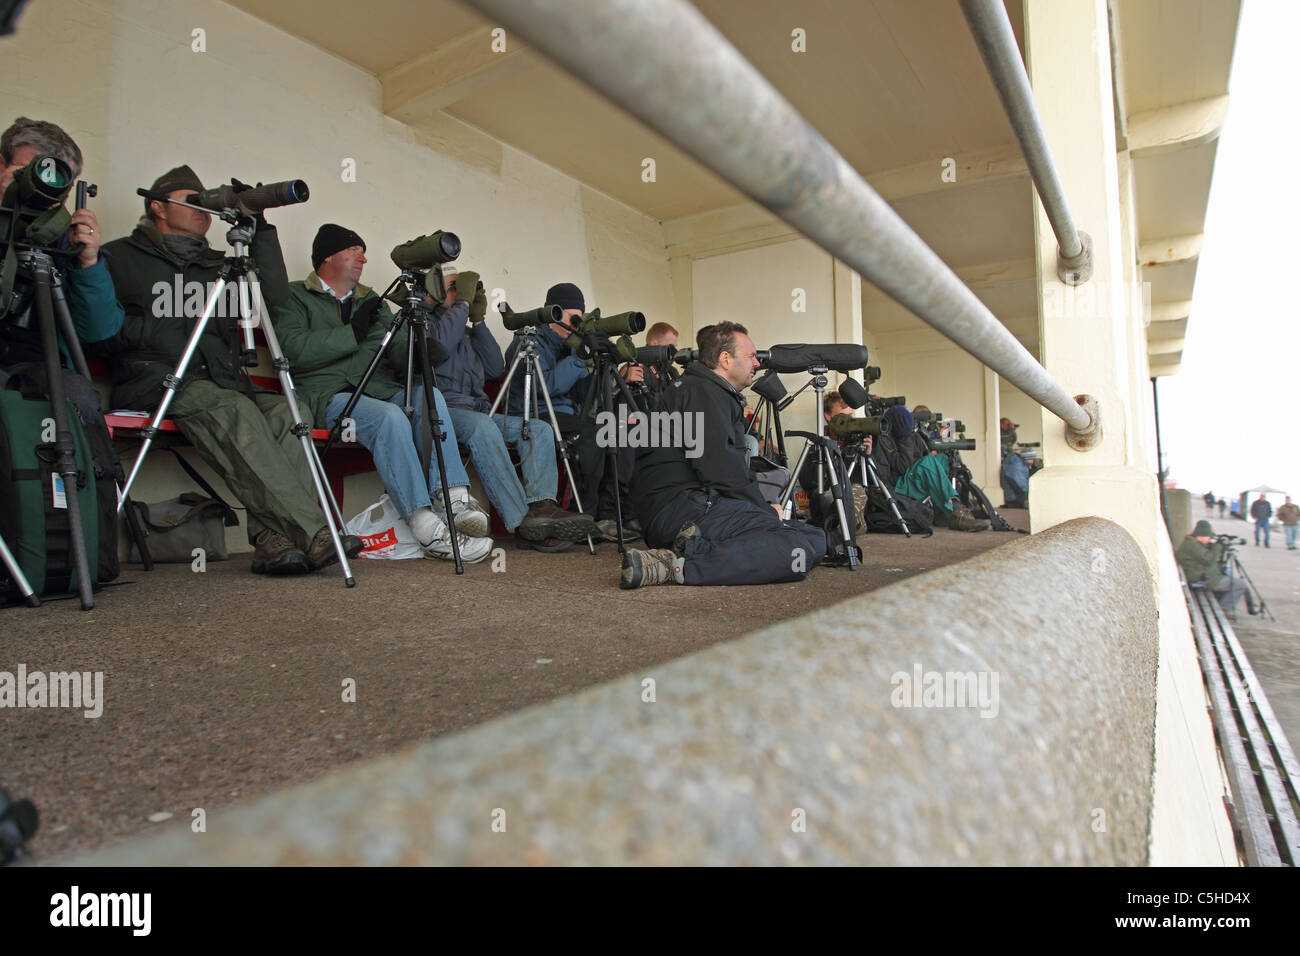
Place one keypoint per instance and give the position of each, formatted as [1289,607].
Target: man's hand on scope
[634,372]
[85,230]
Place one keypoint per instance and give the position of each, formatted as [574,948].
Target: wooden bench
[343,461]
[1262,769]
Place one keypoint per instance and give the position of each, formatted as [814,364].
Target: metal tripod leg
[67,459]
[70,340]
[432,422]
[281,365]
[16,575]
[874,477]
[173,381]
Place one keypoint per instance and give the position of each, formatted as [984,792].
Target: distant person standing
[1289,515]
[1209,500]
[1223,506]
[1261,511]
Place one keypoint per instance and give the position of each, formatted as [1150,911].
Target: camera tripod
[605,384]
[972,495]
[527,357]
[871,478]
[240,269]
[1234,568]
[826,470]
[414,315]
[51,308]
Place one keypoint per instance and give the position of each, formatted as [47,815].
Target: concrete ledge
[788,746]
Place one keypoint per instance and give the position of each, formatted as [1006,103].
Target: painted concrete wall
[754,287]
[929,370]
[262,105]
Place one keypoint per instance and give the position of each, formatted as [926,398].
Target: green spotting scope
[425,252]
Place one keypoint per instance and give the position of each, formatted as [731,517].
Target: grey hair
[45,137]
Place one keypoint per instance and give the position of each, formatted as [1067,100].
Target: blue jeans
[1261,524]
[394,442]
[486,440]
[1290,531]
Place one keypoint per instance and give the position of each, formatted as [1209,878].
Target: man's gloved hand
[238,187]
[364,316]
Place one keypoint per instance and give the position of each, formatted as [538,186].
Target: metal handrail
[668,65]
[997,45]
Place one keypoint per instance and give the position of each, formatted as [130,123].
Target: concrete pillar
[1085,331]
[992,437]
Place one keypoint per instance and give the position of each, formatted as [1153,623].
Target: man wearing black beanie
[331,328]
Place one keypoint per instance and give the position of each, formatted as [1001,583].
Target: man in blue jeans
[330,329]
[1261,511]
[529,509]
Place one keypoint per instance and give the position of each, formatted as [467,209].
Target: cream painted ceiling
[890,83]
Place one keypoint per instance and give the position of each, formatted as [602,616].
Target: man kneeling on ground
[704,516]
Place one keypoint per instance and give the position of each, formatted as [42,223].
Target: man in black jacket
[703,514]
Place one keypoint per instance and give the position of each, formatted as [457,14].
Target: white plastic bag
[384,532]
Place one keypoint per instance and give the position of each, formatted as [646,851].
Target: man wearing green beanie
[1202,558]
[161,273]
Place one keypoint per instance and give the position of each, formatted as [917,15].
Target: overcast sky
[1229,417]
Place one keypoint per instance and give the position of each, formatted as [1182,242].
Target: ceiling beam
[1011,272]
[978,166]
[1176,127]
[435,80]
[1170,250]
[746,226]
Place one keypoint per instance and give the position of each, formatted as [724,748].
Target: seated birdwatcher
[906,464]
[528,508]
[331,327]
[1202,557]
[244,433]
[703,514]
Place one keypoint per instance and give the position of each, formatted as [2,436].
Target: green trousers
[248,442]
[928,476]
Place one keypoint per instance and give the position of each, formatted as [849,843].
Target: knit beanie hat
[567,296]
[331,239]
[1203,529]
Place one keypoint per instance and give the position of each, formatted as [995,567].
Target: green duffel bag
[33,501]
[175,528]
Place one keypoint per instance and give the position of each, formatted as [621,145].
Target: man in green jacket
[162,273]
[331,327]
[1202,559]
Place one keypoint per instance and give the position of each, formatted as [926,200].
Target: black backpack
[879,517]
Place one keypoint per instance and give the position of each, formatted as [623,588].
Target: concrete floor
[222,686]
[1272,647]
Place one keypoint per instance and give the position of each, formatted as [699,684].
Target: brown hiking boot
[546,545]
[321,553]
[546,519]
[963,520]
[642,568]
[273,553]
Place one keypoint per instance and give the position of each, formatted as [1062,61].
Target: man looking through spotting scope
[705,519]
[330,327]
[92,306]
[528,509]
[567,378]
[241,431]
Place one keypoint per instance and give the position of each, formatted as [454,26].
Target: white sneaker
[470,518]
[472,550]
[426,526]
